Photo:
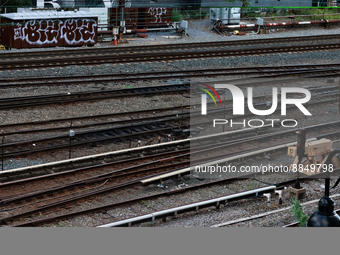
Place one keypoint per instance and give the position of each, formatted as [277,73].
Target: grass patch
[296,210]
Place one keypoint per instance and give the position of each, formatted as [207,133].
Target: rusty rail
[115,50]
[158,56]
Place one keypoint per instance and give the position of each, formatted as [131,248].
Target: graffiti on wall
[73,31]
[157,12]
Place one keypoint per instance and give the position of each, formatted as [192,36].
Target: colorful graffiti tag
[44,32]
[157,13]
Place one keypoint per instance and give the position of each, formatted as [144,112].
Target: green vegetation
[296,210]
[61,225]
[194,15]
[145,203]
[204,14]
[185,14]
[176,16]
[250,12]
[314,11]
[188,15]
[251,184]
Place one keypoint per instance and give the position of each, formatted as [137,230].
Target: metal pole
[2,150]
[131,131]
[117,14]
[182,123]
[339,97]
[327,182]
[69,155]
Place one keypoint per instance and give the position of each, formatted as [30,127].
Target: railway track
[20,102]
[148,127]
[127,184]
[42,100]
[97,120]
[159,56]
[149,130]
[62,194]
[217,203]
[104,209]
[164,47]
[131,77]
[103,160]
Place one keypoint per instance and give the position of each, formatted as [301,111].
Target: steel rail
[98,78]
[156,127]
[19,102]
[172,155]
[329,91]
[104,190]
[135,200]
[110,50]
[30,101]
[162,56]
[126,155]
[103,177]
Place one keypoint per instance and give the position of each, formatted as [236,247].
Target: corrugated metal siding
[130,17]
[49,33]
[143,17]
[5,33]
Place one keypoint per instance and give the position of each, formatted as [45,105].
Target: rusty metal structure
[146,17]
[314,155]
[48,28]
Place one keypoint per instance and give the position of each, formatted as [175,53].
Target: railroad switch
[316,153]
[309,160]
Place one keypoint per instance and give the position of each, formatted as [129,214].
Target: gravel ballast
[199,31]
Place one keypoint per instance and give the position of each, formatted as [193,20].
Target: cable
[271,184]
